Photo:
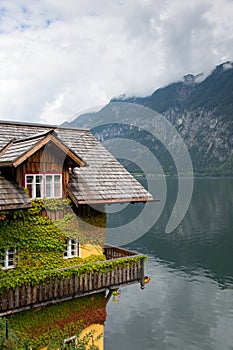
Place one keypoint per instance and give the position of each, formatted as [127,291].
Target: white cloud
[60,57]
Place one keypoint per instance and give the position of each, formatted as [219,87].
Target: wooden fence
[56,289]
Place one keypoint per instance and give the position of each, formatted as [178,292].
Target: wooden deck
[55,290]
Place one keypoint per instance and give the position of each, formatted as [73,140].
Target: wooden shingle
[12,196]
[101,180]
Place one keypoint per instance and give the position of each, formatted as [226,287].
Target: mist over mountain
[200,108]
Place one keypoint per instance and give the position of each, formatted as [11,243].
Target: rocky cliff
[201,110]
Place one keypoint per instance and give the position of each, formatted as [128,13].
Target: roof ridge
[35,136]
[51,126]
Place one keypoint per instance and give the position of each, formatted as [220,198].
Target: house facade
[54,184]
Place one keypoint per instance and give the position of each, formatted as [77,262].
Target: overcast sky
[60,57]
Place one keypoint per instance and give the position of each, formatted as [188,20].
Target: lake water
[188,304]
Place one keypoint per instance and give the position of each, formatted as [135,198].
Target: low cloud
[59,58]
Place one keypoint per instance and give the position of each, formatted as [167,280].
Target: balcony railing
[57,289]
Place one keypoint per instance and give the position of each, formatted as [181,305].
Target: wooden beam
[123,200]
[6,148]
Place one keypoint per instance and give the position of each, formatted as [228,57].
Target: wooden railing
[56,289]
[112,252]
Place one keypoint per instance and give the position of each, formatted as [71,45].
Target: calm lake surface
[188,304]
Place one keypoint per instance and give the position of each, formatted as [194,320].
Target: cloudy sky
[59,58]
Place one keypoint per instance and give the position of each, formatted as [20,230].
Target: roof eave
[6,164]
[120,200]
[15,206]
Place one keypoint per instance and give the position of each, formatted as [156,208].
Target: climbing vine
[40,243]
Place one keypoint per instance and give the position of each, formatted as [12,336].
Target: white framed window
[8,259]
[72,248]
[44,185]
[35,185]
[53,185]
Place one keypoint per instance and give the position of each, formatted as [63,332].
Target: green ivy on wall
[40,243]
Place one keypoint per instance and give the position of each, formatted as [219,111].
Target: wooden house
[43,164]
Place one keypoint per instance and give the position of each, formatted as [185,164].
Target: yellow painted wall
[88,249]
[98,330]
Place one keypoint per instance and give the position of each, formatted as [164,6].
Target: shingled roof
[102,180]
[18,150]
[12,196]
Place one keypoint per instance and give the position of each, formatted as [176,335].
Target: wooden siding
[85,210]
[46,160]
[57,214]
[51,291]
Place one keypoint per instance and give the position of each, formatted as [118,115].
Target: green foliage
[18,277]
[51,325]
[40,243]
[56,204]
[98,221]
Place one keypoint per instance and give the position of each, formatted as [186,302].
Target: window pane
[29,179]
[57,186]
[57,178]
[49,178]
[49,186]
[48,190]
[11,257]
[39,178]
[66,252]
[8,261]
[57,190]
[73,247]
[38,190]
[29,187]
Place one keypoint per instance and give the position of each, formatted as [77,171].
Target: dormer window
[8,259]
[44,185]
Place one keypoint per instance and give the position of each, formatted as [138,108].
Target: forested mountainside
[201,110]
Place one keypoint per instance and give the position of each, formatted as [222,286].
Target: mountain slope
[200,109]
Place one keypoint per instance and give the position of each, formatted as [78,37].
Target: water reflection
[175,311]
[204,239]
[188,303]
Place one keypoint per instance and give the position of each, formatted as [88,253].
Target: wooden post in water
[142,275]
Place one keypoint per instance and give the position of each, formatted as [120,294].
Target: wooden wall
[49,159]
